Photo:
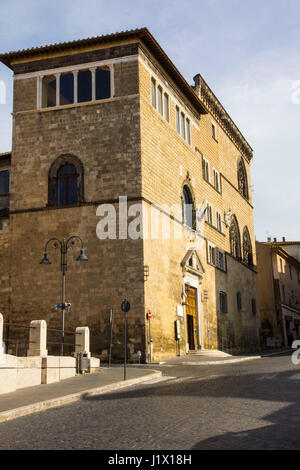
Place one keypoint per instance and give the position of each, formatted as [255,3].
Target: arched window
[247,248]
[235,241]
[66,181]
[242,178]
[67,191]
[188,208]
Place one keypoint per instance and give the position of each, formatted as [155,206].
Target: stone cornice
[214,106]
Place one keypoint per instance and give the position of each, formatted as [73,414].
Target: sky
[247,51]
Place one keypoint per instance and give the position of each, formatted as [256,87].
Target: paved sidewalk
[41,397]
[214,357]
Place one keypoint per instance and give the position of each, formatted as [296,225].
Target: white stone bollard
[38,339]
[2,345]
[82,340]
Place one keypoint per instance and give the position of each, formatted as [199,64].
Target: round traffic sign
[149,315]
[125,306]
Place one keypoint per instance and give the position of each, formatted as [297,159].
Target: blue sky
[247,51]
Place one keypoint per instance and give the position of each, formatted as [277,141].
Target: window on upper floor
[66,89]
[223,302]
[49,91]
[209,214]
[103,83]
[65,186]
[84,86]
[211,254]
[281,266]
[205,169]
[216,256]
[79,86]
[183,125]
[242,178]
[188,131]
[153,92]
[67,191]
[4,183]
[166,107]
[217,180]
[247,247]
[291,272]
[188,208]
[213,131]
[160,100]
[235,239]
[219,221]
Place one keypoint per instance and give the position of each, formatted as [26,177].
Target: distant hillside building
[278,278]
[112,116]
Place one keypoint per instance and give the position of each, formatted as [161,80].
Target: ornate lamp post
[64,246]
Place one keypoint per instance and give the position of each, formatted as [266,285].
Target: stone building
[278,281]
[108,117]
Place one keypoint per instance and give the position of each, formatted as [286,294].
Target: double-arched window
[66,181]
[247,248]
[188,209]
[242,178]
[235,243]
[235,239]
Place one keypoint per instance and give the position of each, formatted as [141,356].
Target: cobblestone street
[251,405]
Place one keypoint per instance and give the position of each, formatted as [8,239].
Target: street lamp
[64,246]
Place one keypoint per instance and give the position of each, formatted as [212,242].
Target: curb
[64,400]
[230,361]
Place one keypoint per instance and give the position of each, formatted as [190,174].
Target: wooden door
[191,316]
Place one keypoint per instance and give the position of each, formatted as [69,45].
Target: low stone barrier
[39,368]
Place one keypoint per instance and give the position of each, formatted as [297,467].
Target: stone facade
[128,148]
[279,292]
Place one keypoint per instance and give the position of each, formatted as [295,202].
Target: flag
[201,215]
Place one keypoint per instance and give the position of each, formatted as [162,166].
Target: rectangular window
[213,131]
[102,78]
[205,169]
[209,214]
[212,254]
[177,119]
[49,91]
[4,183]
[84,86]
[166,107]
[291,274]
[219,221]
[66,89]
[222,260]
[217,180]
[188,131]
[159,100]
[153,92]
[223,302]
[182,126]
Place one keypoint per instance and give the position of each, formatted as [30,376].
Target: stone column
[38,339]
[82,340]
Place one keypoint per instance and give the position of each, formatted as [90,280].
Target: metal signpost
[111,333]
[149,315]
[125,307]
